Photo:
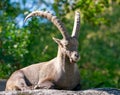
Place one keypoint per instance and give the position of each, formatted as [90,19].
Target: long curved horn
[53,19]
[76,27]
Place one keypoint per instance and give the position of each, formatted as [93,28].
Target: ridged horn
[53,19]
[76,27]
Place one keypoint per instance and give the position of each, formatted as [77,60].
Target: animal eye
[67,46]
[66,43]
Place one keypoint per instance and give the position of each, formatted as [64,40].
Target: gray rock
[100,91]
[2,84]
[97,91]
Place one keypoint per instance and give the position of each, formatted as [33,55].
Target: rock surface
[100,91]
[2,84]
[97,91]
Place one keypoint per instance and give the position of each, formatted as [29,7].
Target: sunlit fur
[59,73]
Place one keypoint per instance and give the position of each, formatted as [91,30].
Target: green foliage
[14,43]
[99,39]
[91,9]
[41,44]
[100,56]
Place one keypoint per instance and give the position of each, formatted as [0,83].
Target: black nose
[76,55]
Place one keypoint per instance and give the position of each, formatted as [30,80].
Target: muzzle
[74,57]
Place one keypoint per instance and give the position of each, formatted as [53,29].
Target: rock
[2,84]
[96,91]
[100,91]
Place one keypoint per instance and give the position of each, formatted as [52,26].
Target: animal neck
[63,60]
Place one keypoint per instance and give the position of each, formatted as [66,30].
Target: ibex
[59,73]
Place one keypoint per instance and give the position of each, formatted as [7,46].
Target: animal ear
[58,41]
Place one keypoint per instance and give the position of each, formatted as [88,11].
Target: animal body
[59,73]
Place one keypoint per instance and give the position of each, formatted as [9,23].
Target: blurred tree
[92,10]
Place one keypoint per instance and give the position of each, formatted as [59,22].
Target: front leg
[45,85]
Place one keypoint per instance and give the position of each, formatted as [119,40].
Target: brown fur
[61,72]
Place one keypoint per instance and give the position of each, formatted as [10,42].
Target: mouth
[73,61]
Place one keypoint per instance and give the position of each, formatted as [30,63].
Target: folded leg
[45,85]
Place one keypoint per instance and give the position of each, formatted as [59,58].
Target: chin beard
[73,61]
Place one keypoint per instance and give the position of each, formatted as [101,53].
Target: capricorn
[59,73]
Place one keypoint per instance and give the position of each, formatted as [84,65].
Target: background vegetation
[99,40]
